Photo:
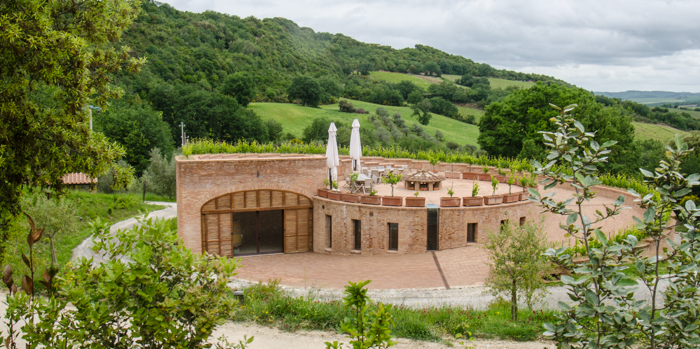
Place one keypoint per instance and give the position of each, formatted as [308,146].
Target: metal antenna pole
[182,134]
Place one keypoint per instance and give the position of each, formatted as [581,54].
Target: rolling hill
[294,118]
[654,98]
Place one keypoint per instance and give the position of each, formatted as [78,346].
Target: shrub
[361,111]
[346,107]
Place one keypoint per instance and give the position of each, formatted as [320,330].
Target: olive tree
[517,262]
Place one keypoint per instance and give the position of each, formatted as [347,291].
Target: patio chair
[376,179]
[369,184]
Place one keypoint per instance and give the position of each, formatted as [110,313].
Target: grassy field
[651,131]
[471,111]
[693,113]
[295,118]
[495,82]
[395,78]
[110,208]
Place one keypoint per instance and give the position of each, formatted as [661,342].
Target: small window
[393,236]
[358,234]
[504,222]
[329,230]
[522,221]
[471,232]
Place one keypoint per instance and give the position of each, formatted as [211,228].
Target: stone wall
[201,178]
[412,225]
[453,221]
[375,229]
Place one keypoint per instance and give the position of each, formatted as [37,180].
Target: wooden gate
[297,230]
[218,228]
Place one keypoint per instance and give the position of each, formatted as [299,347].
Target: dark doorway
[263,232]
[433,228]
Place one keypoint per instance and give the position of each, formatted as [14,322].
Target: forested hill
[203,49]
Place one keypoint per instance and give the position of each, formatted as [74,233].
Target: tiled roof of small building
[78,178]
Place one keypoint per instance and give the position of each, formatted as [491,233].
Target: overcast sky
[598,45]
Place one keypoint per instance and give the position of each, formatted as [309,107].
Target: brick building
[238,204]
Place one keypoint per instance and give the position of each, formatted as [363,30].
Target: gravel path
[475,297]
[85,248]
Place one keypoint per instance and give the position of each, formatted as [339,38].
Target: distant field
[395,78]
[471,111]
[495,82]
[658,100]
[693,113]
[651,131]
[295,118]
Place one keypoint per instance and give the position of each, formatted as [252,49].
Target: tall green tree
[57,57]
[241,87]
[524,113]
[137,127]
[306,89]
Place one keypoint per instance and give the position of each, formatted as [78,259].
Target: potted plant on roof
[392,200]
[324,192]
[450,201]
[471,175]
[474,200]
[485,176]
[501,175]
[334,194]
[452,174]
[415,201]
[433,162]
[494,199]
[510,197]
[371,199]
[524,182]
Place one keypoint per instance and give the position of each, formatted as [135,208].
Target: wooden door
[297,230]
[218,234]
[236,236]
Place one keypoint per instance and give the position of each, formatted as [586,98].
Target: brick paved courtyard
[460,266]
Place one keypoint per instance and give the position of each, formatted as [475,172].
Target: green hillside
[654,97]
[478,113]
[395,78]
[663,133]
[295,118]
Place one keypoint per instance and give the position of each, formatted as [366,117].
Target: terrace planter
[493,200]
[323,193]
[484,177]
[371,199]
[452,175]
[524,195]
[448,201]
[333,195]
[392,200]
[510,198]
[501,179]
[353,198]
[473,201]
[415,202]
[470,175]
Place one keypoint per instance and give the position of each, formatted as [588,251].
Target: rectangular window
[393,236]
[358,234]
[471,232]
[504,222]
[522,221]
[329,230]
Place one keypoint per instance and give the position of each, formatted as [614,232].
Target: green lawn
[502,83]
[471,111]
[395,78]
[693,113]
[651,131]
[295,118]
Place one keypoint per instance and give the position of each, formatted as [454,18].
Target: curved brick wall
[412,225]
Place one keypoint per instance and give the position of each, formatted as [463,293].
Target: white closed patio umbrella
[355,146]
[332,160]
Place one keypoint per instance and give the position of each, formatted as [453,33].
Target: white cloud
[593,44]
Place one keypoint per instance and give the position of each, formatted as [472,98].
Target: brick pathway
[462,266]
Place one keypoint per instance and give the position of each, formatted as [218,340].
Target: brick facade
[201,178]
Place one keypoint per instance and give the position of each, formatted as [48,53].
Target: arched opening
[257,222]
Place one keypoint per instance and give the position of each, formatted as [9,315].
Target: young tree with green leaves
[604,313]
[516,261]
